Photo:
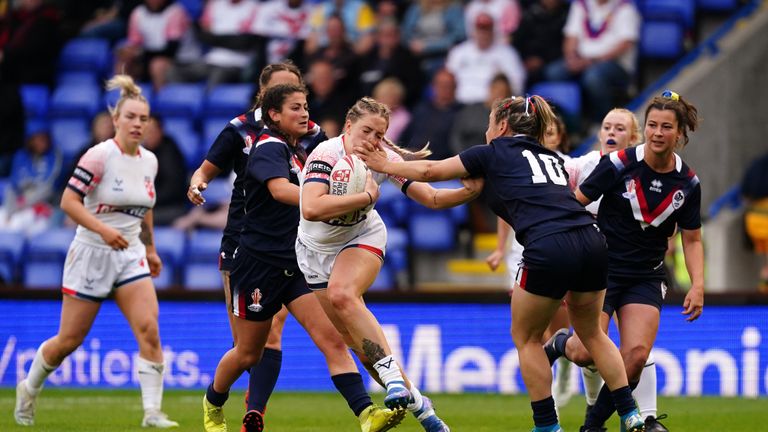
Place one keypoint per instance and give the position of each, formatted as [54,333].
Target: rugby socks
[38,372]
[645,393]
[557,348]
[608,401]
[351,386]
[417,401]
[593,382]
[151,383]
[544,415]
[389,372]
[215,398]
[263,378]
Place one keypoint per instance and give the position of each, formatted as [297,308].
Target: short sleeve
[268,161]
[575,20]
[601,180]
[319,165]
[224,149]
[475,159]
[89,171]
[690,212]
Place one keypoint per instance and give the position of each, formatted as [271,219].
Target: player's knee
[147,331]
[634,360]
[67,344]
[341,297]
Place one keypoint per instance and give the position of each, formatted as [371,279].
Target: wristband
[370,197]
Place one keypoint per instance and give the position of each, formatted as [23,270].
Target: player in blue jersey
[565,254]
[647,193]
[265,275]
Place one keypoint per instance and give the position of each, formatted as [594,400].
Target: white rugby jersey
[579,169]
[116,187]
[328,236]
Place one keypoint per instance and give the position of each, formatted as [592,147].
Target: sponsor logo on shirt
[118,186]
[138,212]
[655,186]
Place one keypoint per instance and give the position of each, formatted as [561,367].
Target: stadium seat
[201,271]
[202,276]
[459,214]
[717,5]
[180,100]
[86,54]
[182,130]
[44,257]
[111,96]
[392,205]
[683,11]
[35,98]
[228,100]
[433,232]
[75,100]
[90,78]
[193,7]
[662,39]
[170,244]
[566,95]
[70,136]
[212,127]
[385,280]
[219,192]
[11,246]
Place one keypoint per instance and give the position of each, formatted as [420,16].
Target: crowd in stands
[438,64]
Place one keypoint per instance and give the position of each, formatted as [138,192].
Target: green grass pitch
[61,410]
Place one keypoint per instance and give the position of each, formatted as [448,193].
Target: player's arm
[693,250]
[583,199]
[502,231]
[421,170]
[284,191]
[147,237]
[433,198]
[318,205]
[199,181]
[72,205]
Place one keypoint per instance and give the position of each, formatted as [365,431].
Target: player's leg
[138,302]
[561,384]
[645,394]
[228,301]
[263,376]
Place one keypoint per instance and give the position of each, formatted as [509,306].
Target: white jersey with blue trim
[327,236]
[116,187]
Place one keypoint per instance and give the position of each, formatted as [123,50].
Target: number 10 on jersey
[554,170]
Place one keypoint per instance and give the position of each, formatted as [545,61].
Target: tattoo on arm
[373,351]
[145,235]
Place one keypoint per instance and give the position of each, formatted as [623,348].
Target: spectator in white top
[506,14]
[284,23]
[475,61]
[600,49]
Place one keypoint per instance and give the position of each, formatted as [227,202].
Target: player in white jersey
[110,196]
[341,262]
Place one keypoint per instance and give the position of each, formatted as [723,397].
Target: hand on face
[371,154]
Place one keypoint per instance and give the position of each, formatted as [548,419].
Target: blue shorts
[260,289]
[226,254]
[574,260]
[632,290]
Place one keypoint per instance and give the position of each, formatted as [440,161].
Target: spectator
[505,13]
[430,29]
[391,93]
[475,62]
[225,27]
[159,34]
[110,21]
[30,40]
[432,120]
[12,121]
[358,20]
[325,99]
[285,25]
[754,188]
[600,50]
[28,196]
[539,39]
[340,53]
[390,58]
[170,183]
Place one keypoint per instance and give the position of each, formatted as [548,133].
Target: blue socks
[351,386]
[216,398]
[544,415]
[263,378]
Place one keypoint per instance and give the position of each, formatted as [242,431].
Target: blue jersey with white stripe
[641,208]
[526,186]
[269,226]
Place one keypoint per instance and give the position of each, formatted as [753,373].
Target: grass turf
[62,410]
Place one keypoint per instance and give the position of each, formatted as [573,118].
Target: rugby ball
[348,177]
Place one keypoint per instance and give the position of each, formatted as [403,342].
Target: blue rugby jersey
[526,186]
[269,226]
[640,209]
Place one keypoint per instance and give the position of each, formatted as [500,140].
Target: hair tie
[508,103]
[669,94]
[527,102]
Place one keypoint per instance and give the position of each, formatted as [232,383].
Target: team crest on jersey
[342,176]
[248,144]
[150,186]
[256,305]
[631,192]
[678,199]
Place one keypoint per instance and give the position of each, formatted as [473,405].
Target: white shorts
[92,272]
[514,260]
[317,266]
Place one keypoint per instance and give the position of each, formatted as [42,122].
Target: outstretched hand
[693,305]
[195,195]
[373,155]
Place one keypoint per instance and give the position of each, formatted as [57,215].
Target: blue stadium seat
[35,98]
[566,95]
[228,100]
[111,96]
[36,124]
[181,129]
[717,5]
[202,276]
[683,11]
[170,244]
[11,246]
[201,271]
[44,258]
[212,127]
[86,54]
[385,280]
[433,232]
[219,192]
[75,100]
[69,136]
[392,205]
[180,100]
[662,39]
[90,78]
[3,185]
[459,214]
[193,7]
